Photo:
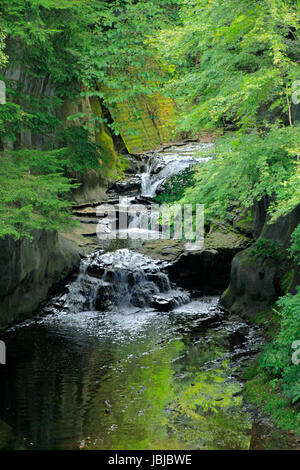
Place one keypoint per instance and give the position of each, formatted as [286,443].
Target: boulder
[256,281]
[126,187]
[209,268]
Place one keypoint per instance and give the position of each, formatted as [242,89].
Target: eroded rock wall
[256,281]
[29,269]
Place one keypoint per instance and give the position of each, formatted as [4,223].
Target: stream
[122,358]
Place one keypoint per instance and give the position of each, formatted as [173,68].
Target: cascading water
[162,166]
[120,280]
[102,368]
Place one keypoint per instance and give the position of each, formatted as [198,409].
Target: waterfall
[120,280]
[124,279]
[161,166]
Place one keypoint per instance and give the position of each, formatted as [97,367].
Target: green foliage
[32,193]
[267,395]
[79,150]
[3,58]
[265,250]
[118,173]
[247,168]
[94,41]
[102,45]
[295,247]
[24,112]
[175,186]
[277,358]
[232,62]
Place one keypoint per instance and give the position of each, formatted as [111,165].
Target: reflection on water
[134,380]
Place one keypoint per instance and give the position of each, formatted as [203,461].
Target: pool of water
[101,368]
[132,379]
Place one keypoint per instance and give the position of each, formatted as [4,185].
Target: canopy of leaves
[232,61]
[248,167]
[33,193]
[97,41]
[277,358]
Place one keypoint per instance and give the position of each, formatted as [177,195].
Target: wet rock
[127,187]
[122,279]
[162,304]
[95,270]
[207,320]
[104,296]
[167,302]
[142,294]
[239,336]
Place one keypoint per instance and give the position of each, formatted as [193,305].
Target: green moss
[144,122]
[225,239]
[103,139]
[267,395]
[226,291]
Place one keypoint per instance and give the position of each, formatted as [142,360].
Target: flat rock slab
[167,250]
[218,239]
[86,245]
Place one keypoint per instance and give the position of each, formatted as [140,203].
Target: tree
[3,58]
[233,62]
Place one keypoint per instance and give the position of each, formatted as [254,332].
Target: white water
[168,163]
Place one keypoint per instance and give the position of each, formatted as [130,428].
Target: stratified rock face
[256,282]
[29,269]
[150,117]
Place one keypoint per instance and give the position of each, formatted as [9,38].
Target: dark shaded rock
[29,270]
[208,319]
[95,270]
[239,336]
[142,294]
[162,304]
[208,269]
[104,296]
[256,283]
[167,302]
[126,187]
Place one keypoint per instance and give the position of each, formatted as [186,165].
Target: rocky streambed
[135,351]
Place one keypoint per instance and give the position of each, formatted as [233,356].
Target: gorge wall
[29,269]
[263,272]
[32,268]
